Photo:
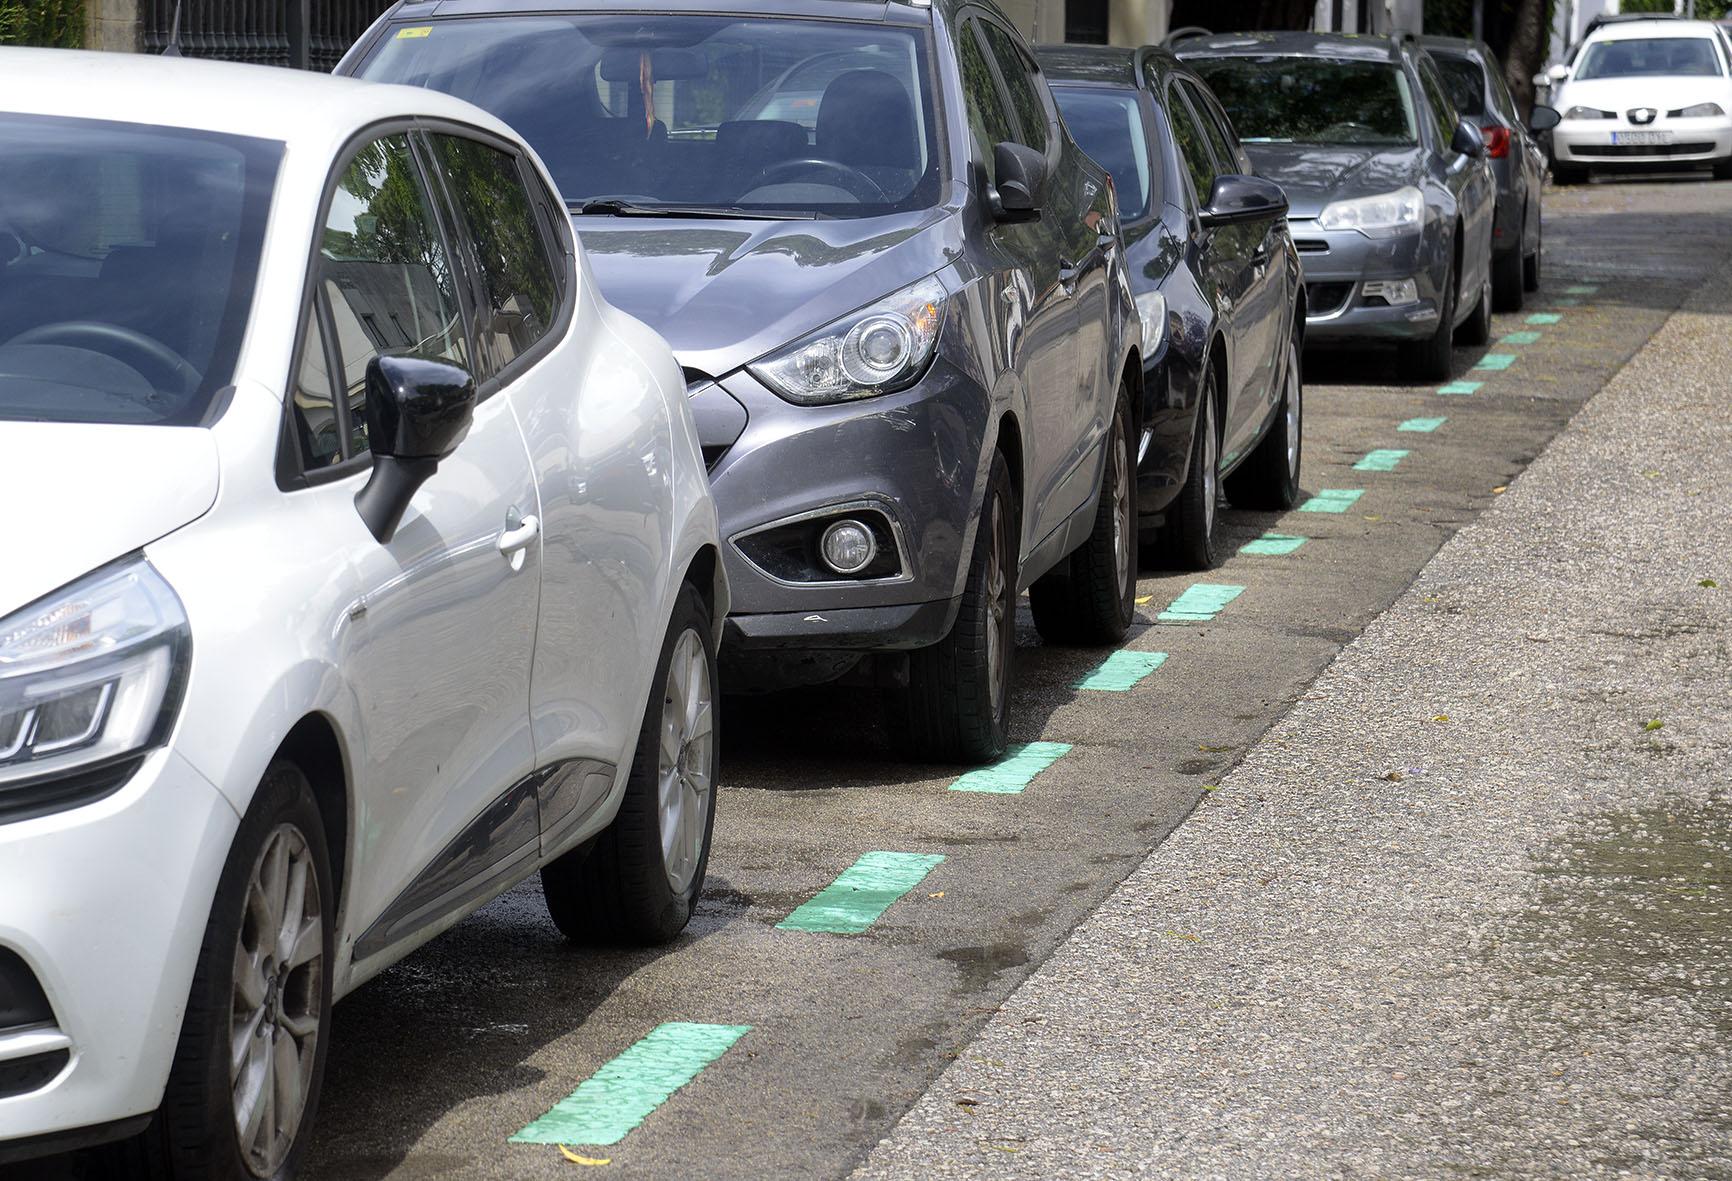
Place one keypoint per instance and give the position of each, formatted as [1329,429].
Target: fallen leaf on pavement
[939,894]
[1709,583]
[1393,776]
[1501,488]
[584,1160]
[1440,718]
[1656,724]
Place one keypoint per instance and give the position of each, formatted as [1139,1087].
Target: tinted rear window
[1108,125]
[1313,100]
[1466,83]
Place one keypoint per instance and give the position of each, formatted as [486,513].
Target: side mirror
[1021,173]
[1235,199]
[418,410]
[1467,140]
[1558,72]
[1543,119]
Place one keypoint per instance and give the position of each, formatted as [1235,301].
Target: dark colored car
[895,284]
[1476,83]
[1392,196]
[1217,283]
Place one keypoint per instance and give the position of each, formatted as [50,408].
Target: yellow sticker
[417,31]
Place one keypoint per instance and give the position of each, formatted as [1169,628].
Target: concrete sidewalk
[1467,910]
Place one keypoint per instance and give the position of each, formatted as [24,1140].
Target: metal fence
[306,34]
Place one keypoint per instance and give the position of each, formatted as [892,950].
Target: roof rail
[1180,34]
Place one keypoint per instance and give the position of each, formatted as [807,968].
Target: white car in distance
[358,562]
[1641,95]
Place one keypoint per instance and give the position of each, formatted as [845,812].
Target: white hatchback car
[345,533]
[1644,94]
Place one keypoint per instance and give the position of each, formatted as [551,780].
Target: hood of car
[1620,95]
[77,495]
[723,293]
[1315,174]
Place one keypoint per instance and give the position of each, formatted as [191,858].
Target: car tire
[957,703]
[1476,329]
[1269,477]
[1723,169]
[1187,540]
[638,882]
[1531,263]
[1508,280]
[278,854]
[1569,174]
[1431,359]
[1091,597]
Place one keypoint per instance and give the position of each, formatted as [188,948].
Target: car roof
[896,11]
[1106,64]
[1345,46]
[268,102]
[1457,47]
[1642,30]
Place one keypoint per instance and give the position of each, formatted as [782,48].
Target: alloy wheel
[999,627]
[278,989]
[1294,393]
[1121,491]
[685,777]
[1211,463]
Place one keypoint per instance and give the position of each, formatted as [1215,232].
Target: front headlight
[1588,113]
[89,675]
[1381,216]
[1152,310]
[1702,111]
[877,350]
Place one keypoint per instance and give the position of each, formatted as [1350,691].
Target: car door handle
[513,540]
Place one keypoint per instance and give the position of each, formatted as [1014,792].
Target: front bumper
[106,904]
[1338,263]
[1591,141]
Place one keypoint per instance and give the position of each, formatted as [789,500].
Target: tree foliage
[55,23]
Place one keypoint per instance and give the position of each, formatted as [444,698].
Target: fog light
[848,547]
[1393,292]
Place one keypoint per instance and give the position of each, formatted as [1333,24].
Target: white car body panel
[1583,140]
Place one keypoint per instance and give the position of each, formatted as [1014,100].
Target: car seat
[866,121]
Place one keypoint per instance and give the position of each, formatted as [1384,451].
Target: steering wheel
[859,185]
[99,333]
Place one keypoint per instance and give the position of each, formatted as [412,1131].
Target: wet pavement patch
[1520,338]
[1011,774]
[1276,544]
[1461,387]
[1582,289]
[1200,603]
[1544,318]
[617,1098]
[1496,361]
[1383,459]
[1122,670]
[1332,500]
[862,893]
[1426,425]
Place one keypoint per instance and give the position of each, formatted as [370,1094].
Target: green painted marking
[1520,338]
[1122,670]
[1383,459]
[1015,771]
[1200,603]
[1496,361]
[1332,500]
[1566,303]
[1273,544]
[1460,387]
[1544,318]
[1426,425]
[1582,289]
[622,1094]
[863,892]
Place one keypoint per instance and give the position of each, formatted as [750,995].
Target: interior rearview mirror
[1467,140]
[1235,199]
[418,410]
[1543,119]
[1021,173]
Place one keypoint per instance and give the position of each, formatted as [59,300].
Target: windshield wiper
[615,207]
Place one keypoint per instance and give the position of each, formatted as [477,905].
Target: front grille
[1325,299]
[20,1076]
[1311,245]
[1625,151]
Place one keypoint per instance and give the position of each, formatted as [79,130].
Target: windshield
[1313,100]
[792,117]
[127,258]
[1109,127]
[1465,82]
[1648,57]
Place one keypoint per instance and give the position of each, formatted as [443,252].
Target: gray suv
[897,289]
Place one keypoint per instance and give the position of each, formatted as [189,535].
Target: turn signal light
[1496,142]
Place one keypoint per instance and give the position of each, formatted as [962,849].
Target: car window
[318,429]
[1108,125]
[1442,110]
[1193,146]
[1640,57]
[387,286]
[1022,83]
[1309,100]
[990,122]
[1465,82]
[1216,128]
[520,294]
[1501,98]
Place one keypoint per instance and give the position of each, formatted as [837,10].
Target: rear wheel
[1187,540]
[1090,597]
[1476,329]
[1569,174]
[1430,359]
[957,702]
[1508,280]
[1531,264]
[1269,477]
[639,882]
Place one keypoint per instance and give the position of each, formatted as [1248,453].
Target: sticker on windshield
[417,31]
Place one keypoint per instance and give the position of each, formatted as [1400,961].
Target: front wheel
[1476,329]
[1187,540]
[1269,477]
[1430,359]
[1569,174]
[1507,279]
[639,882]
[1090,597]
[1531,264]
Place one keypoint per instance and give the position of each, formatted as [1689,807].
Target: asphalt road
[440,1060]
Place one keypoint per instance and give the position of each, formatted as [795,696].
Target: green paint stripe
[1426,425]
[1582,289]
[861,893]
[1383,459]
[1015,771]
[622,1094]
[1520,338]
[1496,361]
[1273,544]
[1544,318]
[1566,303]
[1332,500]
[1200,603]
[1122,670]
[1461,387]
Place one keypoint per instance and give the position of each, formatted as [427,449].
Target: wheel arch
[313,746]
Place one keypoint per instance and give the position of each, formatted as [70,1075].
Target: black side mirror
[418,410]
[1021,173]
[1236,199]
[1467,140]
[1543,118]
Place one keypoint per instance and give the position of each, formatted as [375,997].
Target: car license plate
[1640,138]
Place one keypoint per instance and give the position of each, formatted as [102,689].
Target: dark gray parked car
[897,289]
[1392,196]
[1475,80]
